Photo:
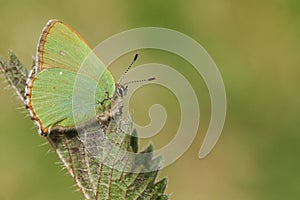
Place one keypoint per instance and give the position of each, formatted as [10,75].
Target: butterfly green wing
[69,80]
[53,101]
[62,47]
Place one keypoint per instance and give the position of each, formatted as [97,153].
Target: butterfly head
[120,90]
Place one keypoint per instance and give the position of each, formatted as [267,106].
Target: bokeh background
[256,46]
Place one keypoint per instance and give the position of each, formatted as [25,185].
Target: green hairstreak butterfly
[50,84]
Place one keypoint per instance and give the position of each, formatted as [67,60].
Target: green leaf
[102,160]
[15,74]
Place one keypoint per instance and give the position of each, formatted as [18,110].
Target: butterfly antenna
[128,68]
[140,81]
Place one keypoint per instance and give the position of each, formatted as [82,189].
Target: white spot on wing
[62,52]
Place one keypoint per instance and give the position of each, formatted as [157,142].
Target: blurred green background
[256,46]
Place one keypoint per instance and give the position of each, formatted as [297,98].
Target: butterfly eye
[121,91]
